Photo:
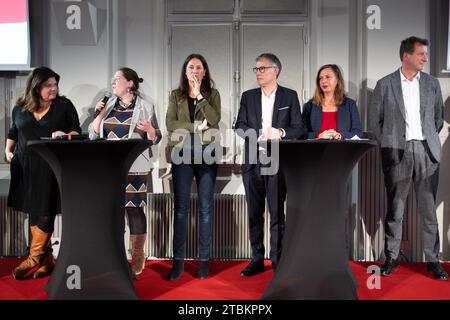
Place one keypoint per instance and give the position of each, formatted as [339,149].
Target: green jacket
[179,124]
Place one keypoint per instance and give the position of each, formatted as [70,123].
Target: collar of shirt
[403,78]
[271,96]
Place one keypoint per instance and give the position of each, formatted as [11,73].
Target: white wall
[330,33]
[399,20]
[84,70]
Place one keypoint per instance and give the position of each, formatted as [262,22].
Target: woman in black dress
[39,112]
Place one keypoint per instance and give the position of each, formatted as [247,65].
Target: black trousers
[257,188]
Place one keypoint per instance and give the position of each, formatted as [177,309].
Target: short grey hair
[272,58]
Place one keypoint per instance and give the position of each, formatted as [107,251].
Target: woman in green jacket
[192,121]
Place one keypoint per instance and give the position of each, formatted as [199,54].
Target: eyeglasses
[262,69]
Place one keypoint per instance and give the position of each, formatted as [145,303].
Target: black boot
[203,270]
[177,270]
[389,266]
[253,268]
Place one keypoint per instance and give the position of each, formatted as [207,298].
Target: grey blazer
[142,111]
[386,116]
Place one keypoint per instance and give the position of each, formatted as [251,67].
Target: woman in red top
[331,114]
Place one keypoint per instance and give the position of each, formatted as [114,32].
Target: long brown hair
[207,83]
[339,91]
[30,100]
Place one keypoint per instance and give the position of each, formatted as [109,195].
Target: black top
[192,104]
[33,188]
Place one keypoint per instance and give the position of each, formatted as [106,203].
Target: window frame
[439,36]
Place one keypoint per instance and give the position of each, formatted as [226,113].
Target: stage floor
[409,282]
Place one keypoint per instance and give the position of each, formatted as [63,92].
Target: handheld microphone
[104,100]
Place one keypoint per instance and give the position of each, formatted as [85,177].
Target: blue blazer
[349,123]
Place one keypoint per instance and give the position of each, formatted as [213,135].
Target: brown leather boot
[39,242]
[47,264]
[137,253]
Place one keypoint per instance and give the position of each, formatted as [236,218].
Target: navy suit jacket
[286,115]
[349,123]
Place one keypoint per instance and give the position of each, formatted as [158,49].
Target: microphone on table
[104,100]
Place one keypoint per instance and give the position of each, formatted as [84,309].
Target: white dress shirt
[267,103]
[411,99]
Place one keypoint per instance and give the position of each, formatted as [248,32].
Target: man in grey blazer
[406,115]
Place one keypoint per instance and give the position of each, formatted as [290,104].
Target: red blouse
[329,121]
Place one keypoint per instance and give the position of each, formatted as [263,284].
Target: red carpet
[409,282]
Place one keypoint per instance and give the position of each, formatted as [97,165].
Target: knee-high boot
[38,247]
[47,264]
[137,253]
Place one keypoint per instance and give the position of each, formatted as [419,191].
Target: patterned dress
[116,127]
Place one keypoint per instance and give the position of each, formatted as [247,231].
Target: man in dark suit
[268,113]
[406,115]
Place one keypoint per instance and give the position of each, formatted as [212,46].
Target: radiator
[14,232]
[230,227]
[230,239]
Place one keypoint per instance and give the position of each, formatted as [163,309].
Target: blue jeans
[205,176]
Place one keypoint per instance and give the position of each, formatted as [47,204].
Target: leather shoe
[253,268]
[388,267]
[436,269]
